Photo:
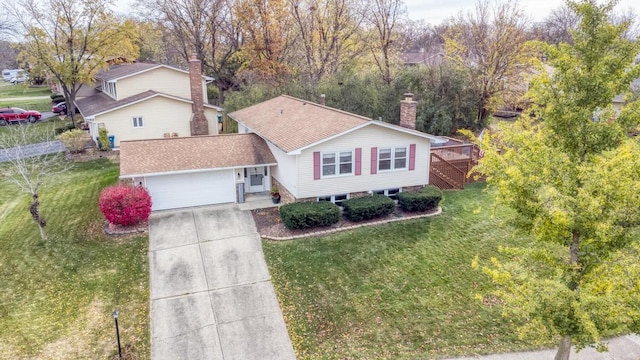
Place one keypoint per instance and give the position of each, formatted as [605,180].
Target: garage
[194,171]
[173,191]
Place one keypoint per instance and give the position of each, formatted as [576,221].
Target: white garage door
[184,190]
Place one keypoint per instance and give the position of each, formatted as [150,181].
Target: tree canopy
[72,40]
[571,174]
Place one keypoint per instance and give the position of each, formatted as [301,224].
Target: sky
[435,11]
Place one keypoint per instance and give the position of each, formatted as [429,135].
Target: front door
[256,177]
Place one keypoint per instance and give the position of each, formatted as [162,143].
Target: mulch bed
[119,230]
[270,225]
[93,154]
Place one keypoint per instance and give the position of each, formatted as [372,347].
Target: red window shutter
[374,160]
[412,157]
[358,161]
[316,165]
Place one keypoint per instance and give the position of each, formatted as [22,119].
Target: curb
[332,231]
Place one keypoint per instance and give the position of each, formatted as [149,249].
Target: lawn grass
[399,291]
[58,295]
[8,90]
[38,132]
[40,105]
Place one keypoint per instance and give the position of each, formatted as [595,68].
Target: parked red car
[16,115]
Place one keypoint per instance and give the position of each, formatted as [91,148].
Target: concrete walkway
[24,98]
[211,294]
[621,348]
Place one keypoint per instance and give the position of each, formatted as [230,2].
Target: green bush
[74,140]
[64,128]
[305,215]
[425,199]
[56,98]
[103,140]
[368,207]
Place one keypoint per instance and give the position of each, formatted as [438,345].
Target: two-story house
[149,101]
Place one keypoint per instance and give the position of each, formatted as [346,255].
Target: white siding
[365,138]
[159,115]
[162,80]
[285,172]
[212,120]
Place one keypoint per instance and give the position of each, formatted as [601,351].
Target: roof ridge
[190,137]
[327,107]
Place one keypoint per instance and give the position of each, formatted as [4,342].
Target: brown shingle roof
[120,70]
[101,102]
[291,123]
[140,157]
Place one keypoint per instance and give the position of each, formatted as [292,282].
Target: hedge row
[312,214]
[305,215]
[368,207]
[425,199]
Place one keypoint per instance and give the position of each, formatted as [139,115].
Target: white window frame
[337,163]
[392,165]
[138,122]
[332,198]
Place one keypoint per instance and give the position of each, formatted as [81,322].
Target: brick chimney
[322,98]
[408,109]
[199,125]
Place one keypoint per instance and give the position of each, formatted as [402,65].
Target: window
[392,158]
[137,122]
[337,163]
[392,193]
[336,199]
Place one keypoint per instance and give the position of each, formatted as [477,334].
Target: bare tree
[383,18]
[490,43]
[32,166]
[557,27]
[207,27]
[326,32]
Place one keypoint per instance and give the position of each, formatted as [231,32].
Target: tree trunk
[564,350]
[34,209]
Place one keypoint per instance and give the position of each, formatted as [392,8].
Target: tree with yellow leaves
[572,176]
[73,39]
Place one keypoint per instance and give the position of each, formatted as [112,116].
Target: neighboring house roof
[189,154]
[422,57]
[293,124]
[101,103]
[119,71]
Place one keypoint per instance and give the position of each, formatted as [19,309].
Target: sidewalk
[24,98]
[621,348]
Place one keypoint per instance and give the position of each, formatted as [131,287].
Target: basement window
[392,193]
[336,199]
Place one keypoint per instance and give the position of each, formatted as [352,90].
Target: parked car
[15,115]
[61,108]
[19,79]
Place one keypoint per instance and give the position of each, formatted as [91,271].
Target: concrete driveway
[211,294]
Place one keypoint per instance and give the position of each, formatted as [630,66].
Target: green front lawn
[399,291]
[38,132]
[57,296]
[9,90]
[40,105]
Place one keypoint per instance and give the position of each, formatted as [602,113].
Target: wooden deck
[451,164]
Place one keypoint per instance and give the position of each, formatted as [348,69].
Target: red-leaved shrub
[125,205]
